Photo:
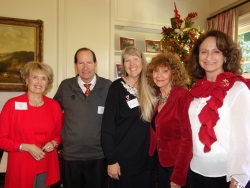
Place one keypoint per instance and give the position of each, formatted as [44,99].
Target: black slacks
[198,181]
[163,174]
[145,179]
[85,174]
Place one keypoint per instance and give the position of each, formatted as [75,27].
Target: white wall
[215,5]
[156,14]
[144,19]
[72,24]
[87,25]
[68,26]
[45,10]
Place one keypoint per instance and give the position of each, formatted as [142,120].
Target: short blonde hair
[28,68]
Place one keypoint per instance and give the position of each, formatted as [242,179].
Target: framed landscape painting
[153,46]
[21,41]
[125,41]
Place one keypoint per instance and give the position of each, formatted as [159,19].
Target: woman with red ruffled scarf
[219,114]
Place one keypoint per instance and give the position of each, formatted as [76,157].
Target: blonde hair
[28,68]
[145,95]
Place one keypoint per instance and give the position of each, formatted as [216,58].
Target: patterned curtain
[226,22]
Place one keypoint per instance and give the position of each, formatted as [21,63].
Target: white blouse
[230,154]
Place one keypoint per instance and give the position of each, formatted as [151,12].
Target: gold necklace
[164,100]
[36,104]
[39,104]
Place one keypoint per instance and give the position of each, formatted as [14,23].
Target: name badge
[100,110]
[133,103]
[21,106]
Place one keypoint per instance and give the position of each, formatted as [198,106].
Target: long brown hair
[225,44]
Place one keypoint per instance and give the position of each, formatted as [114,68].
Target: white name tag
[100,109]
[133,103]
[21,106]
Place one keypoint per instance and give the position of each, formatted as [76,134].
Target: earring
[225,60]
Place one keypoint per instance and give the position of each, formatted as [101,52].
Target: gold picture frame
[21,41]
[153,46]
[126,41]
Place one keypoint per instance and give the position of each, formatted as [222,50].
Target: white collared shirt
[81,83]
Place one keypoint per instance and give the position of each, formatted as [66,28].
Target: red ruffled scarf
[209,114]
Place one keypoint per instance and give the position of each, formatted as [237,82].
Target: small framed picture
[125,41]
[119,73]
[153,46]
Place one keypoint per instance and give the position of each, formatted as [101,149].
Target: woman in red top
[30,132]
[170,133]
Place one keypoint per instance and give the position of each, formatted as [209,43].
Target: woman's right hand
[114,171]
[174,185]
[35,151]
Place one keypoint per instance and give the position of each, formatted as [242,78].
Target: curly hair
[169,60]
[28,68]
[225,44]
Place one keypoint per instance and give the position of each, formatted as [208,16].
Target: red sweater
[173,137]
[16,127]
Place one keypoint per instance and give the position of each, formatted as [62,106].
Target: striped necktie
[87,89]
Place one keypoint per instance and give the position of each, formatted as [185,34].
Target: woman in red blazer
[170,132]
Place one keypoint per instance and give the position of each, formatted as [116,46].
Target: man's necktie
[87,89]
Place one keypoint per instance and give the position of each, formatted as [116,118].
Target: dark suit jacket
[172,137]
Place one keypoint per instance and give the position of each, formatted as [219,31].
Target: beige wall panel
[152,14]
[87,25]
[215,5]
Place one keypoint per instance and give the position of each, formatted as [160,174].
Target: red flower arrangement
[181,37]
